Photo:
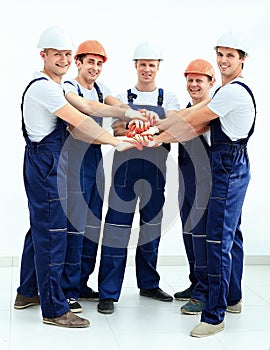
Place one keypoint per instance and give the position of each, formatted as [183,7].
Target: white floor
[140,323]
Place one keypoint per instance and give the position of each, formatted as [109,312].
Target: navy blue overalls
[85,200]
[135,175]
[230,179]
[45,243]
[194,191]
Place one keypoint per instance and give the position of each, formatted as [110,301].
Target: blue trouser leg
[149,237]
[186,195]
[86,189]
[93,226]
[237,253]
[116,235]
[200,291]
[230,181]
[28,281]
[48,227]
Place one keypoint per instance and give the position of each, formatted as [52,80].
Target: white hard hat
[148,51]
[55,38]
[233,41]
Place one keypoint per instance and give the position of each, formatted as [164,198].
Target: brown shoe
[22,302]
[69,320]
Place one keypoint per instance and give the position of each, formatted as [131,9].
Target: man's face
[90,68]
[147,70]
[229,61]
[198,86]
[57,61]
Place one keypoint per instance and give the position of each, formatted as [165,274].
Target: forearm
[89,131]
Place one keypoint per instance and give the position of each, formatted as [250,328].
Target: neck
[56,78]
[145,87]
[225,79]
[84,83]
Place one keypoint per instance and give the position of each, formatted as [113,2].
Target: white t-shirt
[89,94]
[170,101]
[41,101]
[234,106]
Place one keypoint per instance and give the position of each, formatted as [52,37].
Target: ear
[43,55]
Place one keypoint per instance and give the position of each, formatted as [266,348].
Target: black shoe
[185,295]
[156,293]
[91,296]
[74,306]
[106,306]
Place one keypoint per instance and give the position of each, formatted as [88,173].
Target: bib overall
[230,178]
[194,191]
[136,175]
[45,243]
[85,200]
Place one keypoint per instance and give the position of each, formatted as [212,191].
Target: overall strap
[160,97]
[130,96]
[99,93]
[78,87]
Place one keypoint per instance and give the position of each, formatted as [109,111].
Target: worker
[231,113]
[137,176]
[45,116]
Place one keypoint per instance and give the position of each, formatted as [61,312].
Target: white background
[186,30]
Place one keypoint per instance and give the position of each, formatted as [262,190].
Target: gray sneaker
[68,320]
[204,329]
[193,307]
[236,308]
[22,302]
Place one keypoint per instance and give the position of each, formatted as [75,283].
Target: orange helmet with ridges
[92,47]
[200,66]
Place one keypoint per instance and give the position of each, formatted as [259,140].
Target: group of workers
[64,180]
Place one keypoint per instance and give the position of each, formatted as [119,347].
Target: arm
[183,125]
[94,108]
[87,130]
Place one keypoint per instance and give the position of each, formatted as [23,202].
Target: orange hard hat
[91,46]
[200,66]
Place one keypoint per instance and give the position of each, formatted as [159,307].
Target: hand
[137,127]
[133,114]
[127,143]
[152,117]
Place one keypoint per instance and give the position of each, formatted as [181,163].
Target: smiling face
[56,62]
[89,68]
[229,63]
[198,86]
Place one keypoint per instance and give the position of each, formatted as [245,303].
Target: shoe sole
[106,312]
[149,296]
[185,312]
[89,299]
[182,299]
[188,312]
[233,311]
[21,307]
[76,311]
[65,326]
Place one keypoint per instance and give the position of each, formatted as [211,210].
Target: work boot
[22,302]
[68,320]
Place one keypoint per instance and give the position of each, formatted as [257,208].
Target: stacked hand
[143,132]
